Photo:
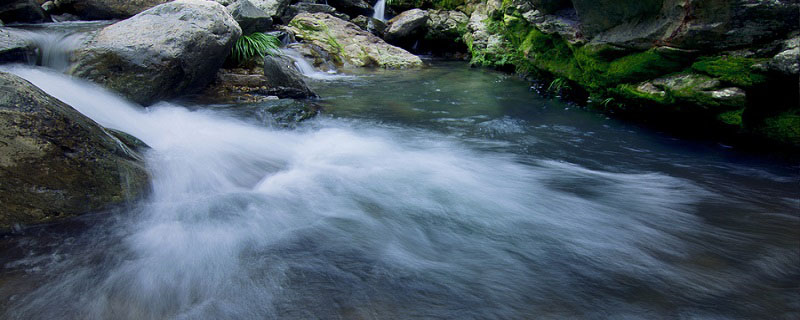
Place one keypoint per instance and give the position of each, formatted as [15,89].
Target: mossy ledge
[721,93]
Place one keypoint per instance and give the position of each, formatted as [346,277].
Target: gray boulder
[352,8]
[374,26]
[273,8]
[14,48]
[445,25]
[250,18]
[171,49]
[283,79]
[105,9]
[306,7]
[787,61]
[21,11]
[406,27]
[57,163]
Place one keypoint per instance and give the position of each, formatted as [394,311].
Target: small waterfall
[380,8]
[307,69]
[53,47]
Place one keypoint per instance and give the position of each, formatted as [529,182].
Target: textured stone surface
[407,26]
[55,162]
[21,11]
[348,44]
[106,9]
[283,79]
[171,49]
[250,18]
[15,48]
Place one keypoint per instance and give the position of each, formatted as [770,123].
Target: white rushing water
[251,222]
[380,8]
[307,69]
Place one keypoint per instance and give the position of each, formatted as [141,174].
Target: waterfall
[307,69]
[53,49]
[380,7]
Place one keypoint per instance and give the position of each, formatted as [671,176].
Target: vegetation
[254,45]
[735,70]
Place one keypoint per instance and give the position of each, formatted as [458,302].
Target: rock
[305,7]
[283,79]
[317,56]
[371,24]
[352,8]
[697,89]
[444,31]
[484,46]
[273,8]
[787,61]
[106,9]
[49,6]
[15,48]
[564,23]
[347,44]
[250,18]
[550,6]
[21,11]
[686,24]
[57,163]
[407,27]
[138,59]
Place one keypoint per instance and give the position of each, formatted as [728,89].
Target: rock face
[407,26]
[171,49]
[250,18]
[106,9]
[787,61]
[352,8]
[273,8]
[55,162]
[305,7]
[283,79]
[443,31]
[14,48]
[21,11]
[347,44]
[371,24]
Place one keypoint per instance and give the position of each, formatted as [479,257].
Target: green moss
[639,66]
[784,127]
[735,70]
[629,92]
[733,118]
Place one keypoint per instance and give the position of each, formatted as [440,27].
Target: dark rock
[14,48]
[274,8]
[250,18]
[407,27]
[55,162]
[105,9]
[21,11]
[352,8]
[138,59]
[306,7]
[370,24]
[283,79]
[550,6]
[317,56]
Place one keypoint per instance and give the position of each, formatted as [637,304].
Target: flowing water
[446,192]
[380,8]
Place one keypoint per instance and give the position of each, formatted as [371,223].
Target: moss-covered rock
[55,162]
[348,44]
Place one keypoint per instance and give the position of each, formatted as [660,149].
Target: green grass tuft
[254,45]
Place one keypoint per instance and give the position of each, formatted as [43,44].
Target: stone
[406,27]
[305,7]
[57,163]
[701,90]
[787,61]
[49,6]
[21,11]
[445,25]
[352,8]
[374,26]
[283,79]
[106,9]
[273,8]
[15,48]
[347,44]
[250,18]
[563,23]
[317,56]
[168,50]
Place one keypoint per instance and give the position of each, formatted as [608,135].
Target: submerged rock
[168,50]
[347,44]
[14,48]
[21,11]
[105,9]
[55,162]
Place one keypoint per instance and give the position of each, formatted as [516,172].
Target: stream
[441,193]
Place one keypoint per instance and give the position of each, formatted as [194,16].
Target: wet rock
[371,24]
[352,8]
[564,23]
[317,56]
[168,50]
[105,9]
[348,44]
[250,18]
[407,27]
[283,79]
[444,31]
[57,163]
[21,11]
[787,61]
[305,7]
[14,48]
[698,89]
[273,8]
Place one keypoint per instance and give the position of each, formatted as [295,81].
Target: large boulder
[15,48]
[787,61]
[305,7]
[273,8]
[444,30]
[374,26]
[693,25]
[353,8]
[21,11]
[55,162]
[171,49]
[406,27]
[348,44]
[250,18]
[105,9]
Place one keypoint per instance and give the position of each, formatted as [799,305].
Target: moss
[735,70]
[733,118]
[784,127]
[628,92]
[640,66]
